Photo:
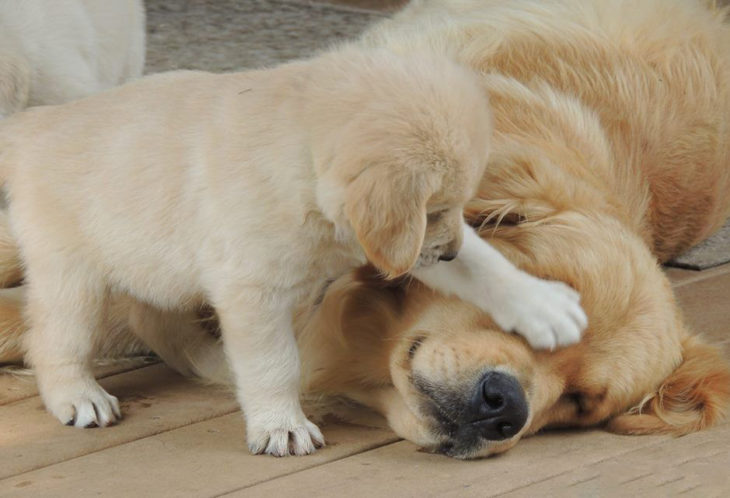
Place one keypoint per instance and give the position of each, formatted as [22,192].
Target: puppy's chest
[322,255]
[332,254]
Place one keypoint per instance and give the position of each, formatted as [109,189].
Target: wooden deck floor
[180,438]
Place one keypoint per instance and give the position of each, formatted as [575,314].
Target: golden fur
[611,153]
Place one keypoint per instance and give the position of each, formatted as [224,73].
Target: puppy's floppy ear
[386,206]
[695,396]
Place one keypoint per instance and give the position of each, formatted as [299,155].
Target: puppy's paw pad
[102,411]
[90,407]
[300,440]
[539,336]
[548,314]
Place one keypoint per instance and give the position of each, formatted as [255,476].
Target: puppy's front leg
[259,342]
[547,314]
[66,303]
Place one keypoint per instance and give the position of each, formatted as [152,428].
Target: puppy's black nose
[498,407]
[448,256]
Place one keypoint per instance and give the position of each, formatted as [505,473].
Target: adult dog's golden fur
[611,154]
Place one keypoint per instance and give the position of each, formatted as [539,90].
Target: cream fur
[200,187]
[53,52]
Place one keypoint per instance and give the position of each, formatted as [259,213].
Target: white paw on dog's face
[548,314]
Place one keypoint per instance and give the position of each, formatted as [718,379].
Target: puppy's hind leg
[65,310]
[260,345]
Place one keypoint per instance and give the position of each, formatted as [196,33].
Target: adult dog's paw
[547,314]
[297,437]
[83,405]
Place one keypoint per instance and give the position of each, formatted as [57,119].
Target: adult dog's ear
[386,207]
[695,396]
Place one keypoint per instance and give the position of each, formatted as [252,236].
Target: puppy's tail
[694,397]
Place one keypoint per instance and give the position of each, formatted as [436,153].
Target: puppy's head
[407,156]
[404,219]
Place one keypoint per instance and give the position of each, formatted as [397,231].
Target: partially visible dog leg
[11,271]
[12,325]
[260,345]
[65,306]
[547,314]
[180,340]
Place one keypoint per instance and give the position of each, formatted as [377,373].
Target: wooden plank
[681,277]
[18,384]
[203,459]
[153,399]
[696,465]
[401,470]
[706,307]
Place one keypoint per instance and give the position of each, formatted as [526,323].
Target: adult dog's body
[611,153]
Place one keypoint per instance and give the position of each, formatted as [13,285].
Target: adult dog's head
[449,380]
[406,141]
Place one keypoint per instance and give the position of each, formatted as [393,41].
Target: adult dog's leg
[180,340]
[260,345]
[547,314]
[11,271]
[65,306]
[12,324]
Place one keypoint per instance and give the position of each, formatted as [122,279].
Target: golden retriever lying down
[611,153]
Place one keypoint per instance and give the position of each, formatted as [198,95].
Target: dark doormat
[229,35]
[712,252]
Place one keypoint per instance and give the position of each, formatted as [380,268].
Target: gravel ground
[227,35]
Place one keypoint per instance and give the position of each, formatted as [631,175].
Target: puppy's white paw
[295,437]
[548,314]
[83,404]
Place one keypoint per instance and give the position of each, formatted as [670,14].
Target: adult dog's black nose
[448,256]
[498,407]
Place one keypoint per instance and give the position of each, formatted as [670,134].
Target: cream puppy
[249,191]
[67,49]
